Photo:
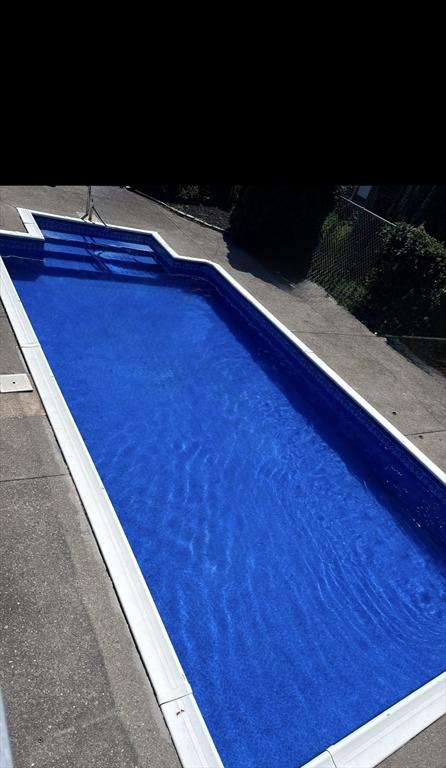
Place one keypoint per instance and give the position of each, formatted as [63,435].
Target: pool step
[80,263]
[95,241]
[88,251]
[80,249]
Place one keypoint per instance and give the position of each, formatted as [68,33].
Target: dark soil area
[208,213]
[211,204]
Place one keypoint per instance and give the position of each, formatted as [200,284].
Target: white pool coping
[364,747]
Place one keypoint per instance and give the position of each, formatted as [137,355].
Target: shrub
[191,193]
[350,293]
[406,293]
[336,228]
[281,224]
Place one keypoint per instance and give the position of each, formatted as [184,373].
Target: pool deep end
[294,549]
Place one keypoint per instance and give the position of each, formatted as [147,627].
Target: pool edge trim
[189,733]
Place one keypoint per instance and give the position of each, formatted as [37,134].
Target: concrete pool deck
[75,690]
[74,687]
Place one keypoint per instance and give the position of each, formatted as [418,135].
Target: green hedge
[407,291]
[281,224]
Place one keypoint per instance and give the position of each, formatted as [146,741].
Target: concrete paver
[20,404]
[28,452]
[11,360]
[73,683]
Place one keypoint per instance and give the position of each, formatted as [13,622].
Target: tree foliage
[407,291]
[281,224]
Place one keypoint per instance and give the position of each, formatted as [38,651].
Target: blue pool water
[295,554]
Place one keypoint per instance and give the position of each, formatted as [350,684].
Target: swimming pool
[294,548]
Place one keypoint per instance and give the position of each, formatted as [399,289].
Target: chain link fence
[348,250]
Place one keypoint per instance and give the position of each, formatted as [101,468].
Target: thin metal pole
[352,202]
[92,208]
[87,214]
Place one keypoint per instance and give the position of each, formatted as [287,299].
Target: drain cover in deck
[15,382]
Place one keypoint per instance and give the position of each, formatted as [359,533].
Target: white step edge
[31,226]
[185,722]
[405,728]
